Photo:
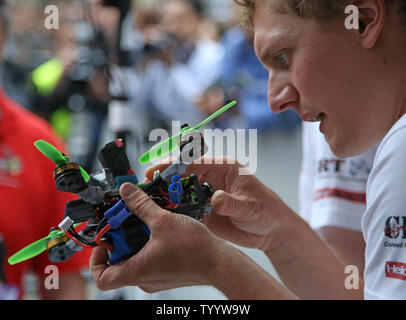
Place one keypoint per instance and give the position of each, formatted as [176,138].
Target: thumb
[226,204]
[141,204]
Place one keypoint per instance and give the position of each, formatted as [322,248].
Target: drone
[102,216]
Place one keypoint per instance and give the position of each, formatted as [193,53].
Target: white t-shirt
[332,190]
[384,221]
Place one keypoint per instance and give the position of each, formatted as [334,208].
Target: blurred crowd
[166,59]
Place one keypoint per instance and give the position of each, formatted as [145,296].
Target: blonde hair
[318,10]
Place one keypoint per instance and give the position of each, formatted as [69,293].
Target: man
[31,202]
[353,82]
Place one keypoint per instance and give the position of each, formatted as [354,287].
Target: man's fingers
[199,167]
[141,205]
[226,204]
[98,264]
[105,276]
[99,258]
[149,173]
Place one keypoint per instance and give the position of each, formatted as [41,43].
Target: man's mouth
[313,117]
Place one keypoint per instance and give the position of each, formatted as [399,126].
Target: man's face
[324,74]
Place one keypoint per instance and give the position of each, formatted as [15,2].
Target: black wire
[101,225]
[84,241]
[79,238]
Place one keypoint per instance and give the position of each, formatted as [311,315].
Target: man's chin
[341,149]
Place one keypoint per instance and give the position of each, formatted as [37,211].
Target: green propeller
[34,249]
[170,144]
[56,156]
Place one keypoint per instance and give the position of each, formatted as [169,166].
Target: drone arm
[177,168]
[92,194]
[77,211]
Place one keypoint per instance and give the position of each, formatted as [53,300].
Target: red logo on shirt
[396,270]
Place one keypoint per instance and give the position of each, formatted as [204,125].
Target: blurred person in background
[177,59]
[174,60]
[181,62]
[243,78]
[33,204]
[70,90]
[27,46]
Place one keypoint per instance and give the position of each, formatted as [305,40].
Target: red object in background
[31,203]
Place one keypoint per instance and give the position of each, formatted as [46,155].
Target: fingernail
[127,190]
[219,197]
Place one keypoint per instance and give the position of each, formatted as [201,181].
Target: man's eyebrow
[272,41]
[270,47]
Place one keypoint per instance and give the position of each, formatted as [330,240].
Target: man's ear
[372,18]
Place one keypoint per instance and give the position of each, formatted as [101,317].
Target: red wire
[171,206]
[82,245]
[102,243]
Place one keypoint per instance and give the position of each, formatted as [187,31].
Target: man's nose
[282,96]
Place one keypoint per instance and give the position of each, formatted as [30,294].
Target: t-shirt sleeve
[384,223]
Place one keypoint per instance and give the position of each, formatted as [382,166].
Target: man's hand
[180,252]
[210,100]
[245,211]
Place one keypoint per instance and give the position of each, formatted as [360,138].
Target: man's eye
[283,58]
